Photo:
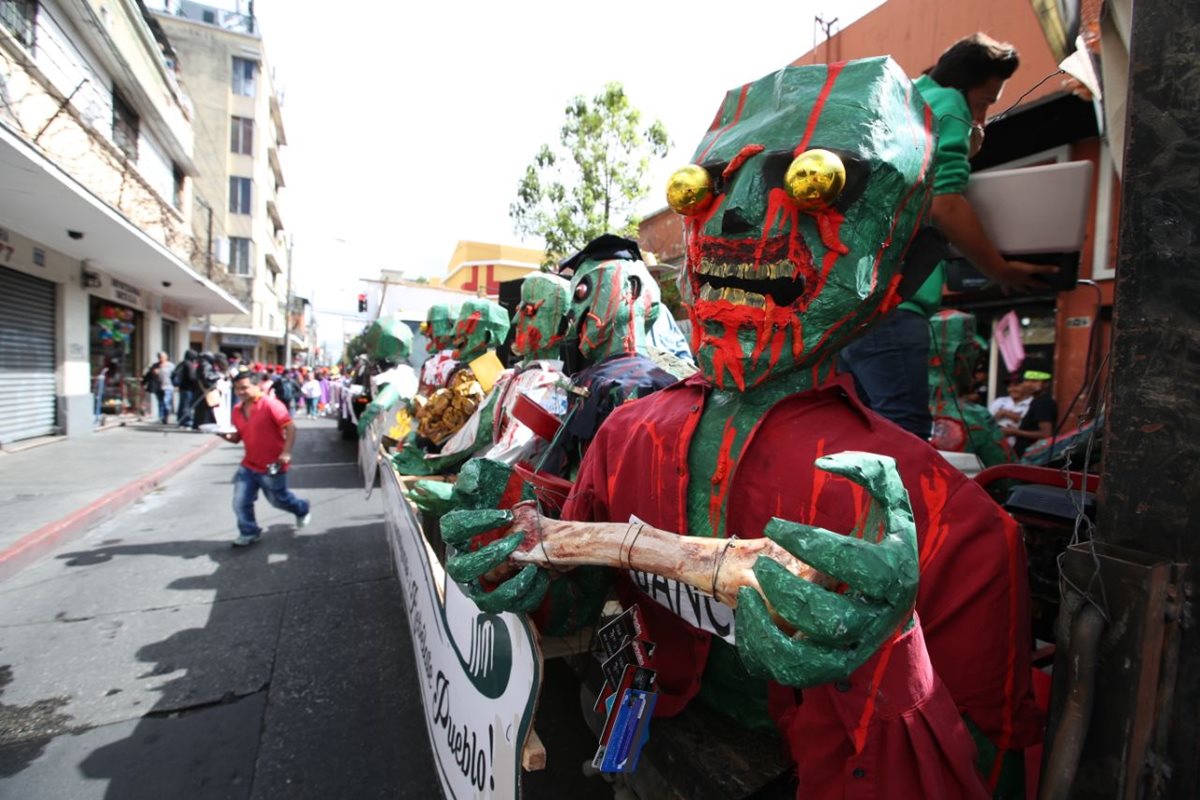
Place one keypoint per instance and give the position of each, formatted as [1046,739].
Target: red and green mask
[439,327]
[541,315]
[482,326]
[800,204]
[610,308]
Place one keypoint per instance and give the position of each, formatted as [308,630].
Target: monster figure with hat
[804,208]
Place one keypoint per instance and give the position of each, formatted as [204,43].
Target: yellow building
[481,267]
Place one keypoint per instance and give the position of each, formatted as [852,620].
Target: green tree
[593,180]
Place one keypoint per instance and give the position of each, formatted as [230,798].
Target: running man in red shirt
[264,427]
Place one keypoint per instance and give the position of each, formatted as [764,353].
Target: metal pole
[287,314]
[208,258]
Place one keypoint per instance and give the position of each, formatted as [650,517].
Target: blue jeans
[890,365]
[185,414]
[164,403]
[246,484]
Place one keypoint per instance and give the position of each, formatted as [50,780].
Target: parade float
[819,549]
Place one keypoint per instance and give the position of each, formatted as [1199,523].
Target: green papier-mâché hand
[521,593]
[836,633]
[410,460]
[432,497]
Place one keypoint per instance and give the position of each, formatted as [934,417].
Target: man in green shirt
[889,362]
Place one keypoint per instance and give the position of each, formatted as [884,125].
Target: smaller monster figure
[611,309]
[541,317]
[389,343]
[438,329]
[959,425]
[457,416]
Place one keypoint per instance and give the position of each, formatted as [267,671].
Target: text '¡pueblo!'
[691,605]
[462,742]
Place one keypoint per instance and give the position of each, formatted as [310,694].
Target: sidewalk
[54,491]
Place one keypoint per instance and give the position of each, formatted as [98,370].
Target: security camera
[75,234]
[166,284]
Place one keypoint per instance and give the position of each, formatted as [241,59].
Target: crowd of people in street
[191,389]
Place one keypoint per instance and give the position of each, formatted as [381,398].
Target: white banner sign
[479,673]
[696,608]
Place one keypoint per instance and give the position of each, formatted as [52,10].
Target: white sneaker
[302,522]
[246,541]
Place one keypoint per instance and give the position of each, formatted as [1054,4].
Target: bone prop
[716,567]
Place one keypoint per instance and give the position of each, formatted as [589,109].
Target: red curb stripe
[34,545]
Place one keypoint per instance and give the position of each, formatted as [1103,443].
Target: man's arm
[956,219]
[289,439]
[232,438]
[1044,431]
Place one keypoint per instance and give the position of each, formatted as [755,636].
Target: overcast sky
[408,128]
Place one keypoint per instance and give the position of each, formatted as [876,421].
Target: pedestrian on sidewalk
[157,382]
[312,394]
[185,379]
[266,430]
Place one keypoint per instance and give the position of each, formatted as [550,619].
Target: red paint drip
[720,478]
[829,224]
[831,75]
[747,152]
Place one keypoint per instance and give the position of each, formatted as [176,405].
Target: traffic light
[362,304]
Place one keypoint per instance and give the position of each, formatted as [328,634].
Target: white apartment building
[239,138]
[99,269]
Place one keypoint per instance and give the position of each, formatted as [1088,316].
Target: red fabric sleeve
[890,730]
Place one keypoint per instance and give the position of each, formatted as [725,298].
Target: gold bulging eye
[815,179]
[689,190]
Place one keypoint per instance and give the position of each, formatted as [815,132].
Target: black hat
[604,246]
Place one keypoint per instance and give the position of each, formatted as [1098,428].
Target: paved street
[149,659]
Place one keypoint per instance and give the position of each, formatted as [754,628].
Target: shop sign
[239,340]
[479,673]
[173,310]
[124,293]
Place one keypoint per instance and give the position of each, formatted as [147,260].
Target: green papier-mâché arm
[411,460]
[575,597]
[836,633]
[384,401]
[432,497]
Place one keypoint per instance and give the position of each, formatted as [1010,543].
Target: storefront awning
[38,199]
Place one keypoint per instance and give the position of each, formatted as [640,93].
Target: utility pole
[287,314]
[208,260]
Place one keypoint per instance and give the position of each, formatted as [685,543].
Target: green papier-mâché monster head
[482,325]
[388,340]
[541,316]
[611,307]
[800,204]
[439,327]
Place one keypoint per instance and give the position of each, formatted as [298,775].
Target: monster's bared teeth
[709,292]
